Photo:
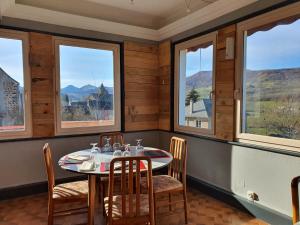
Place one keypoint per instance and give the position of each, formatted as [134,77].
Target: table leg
[91,203]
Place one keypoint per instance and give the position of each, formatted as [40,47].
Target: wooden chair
[115,137]
[175,181]
[295,200]
[76,192]
[130,206]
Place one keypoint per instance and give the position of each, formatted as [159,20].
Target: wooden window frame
[27,132]
[242,27]
[117,86]
[212,38]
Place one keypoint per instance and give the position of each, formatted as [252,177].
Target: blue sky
[82,66]
[200,60]
[278,48]
[11,60]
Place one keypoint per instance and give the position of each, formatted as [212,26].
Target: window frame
[242,27]
[211,37]
[27,132]
[59,130]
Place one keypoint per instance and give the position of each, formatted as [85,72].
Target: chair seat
[117,205]
[163,183]
[72,191]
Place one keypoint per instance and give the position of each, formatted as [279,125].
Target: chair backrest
[49,168]
[177,168]
[115,137]
[295,199]
[130,189]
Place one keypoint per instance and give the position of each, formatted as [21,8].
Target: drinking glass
[117,153]
[94,148]
[127,152]
[107,146]
[116,146]
[139,146]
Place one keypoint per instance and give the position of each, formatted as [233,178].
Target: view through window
[86,87]
[12,111]
[196,86]
[271,98]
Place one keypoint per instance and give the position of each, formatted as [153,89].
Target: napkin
[79,157]
[87,166]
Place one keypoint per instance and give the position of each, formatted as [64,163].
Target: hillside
[199,80]
[267,84]
[273,84]
[76,93]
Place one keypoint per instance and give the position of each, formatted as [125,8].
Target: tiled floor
[203,210]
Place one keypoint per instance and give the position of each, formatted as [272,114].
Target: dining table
[159,158]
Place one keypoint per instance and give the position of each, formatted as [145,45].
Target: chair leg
[99,187]
[185,206]
[50,212]
[103,196]
[170,201]
[154,206]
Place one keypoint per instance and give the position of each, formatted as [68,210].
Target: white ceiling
[147,19]
[145,13]
[150,7]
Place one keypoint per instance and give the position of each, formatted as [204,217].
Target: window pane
[11,85]
[87,87]
[195,86]
[271,98]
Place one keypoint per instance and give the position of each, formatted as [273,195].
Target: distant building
[11,100]
[104,102]
[198,114]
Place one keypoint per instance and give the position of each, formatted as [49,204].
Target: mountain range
[199,80]
[76,93]
[268,84]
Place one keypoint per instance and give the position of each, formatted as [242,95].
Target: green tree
[193,96]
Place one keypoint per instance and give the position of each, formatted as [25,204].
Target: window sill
[279,150]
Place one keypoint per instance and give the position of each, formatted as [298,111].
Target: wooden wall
[164,57]
[225,79]
[141,86]
[42,90]
[224,87]
[147,73]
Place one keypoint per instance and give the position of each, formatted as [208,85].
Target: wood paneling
[141,86]
[225,77]
[42,94]
[164,85]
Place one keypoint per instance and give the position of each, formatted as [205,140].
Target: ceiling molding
[70,20]
[206,14]
[197,18]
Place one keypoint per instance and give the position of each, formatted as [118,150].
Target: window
[198,123]
[88,86]
[15,113]
[194,85]
[269,105]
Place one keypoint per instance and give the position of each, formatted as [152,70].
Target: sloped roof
[3,73]
[200,109]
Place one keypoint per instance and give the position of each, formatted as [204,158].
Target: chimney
[191,106]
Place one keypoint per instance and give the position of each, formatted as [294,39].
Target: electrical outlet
[252,196]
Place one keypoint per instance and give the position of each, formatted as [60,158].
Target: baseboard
[261,212]
[35,188]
